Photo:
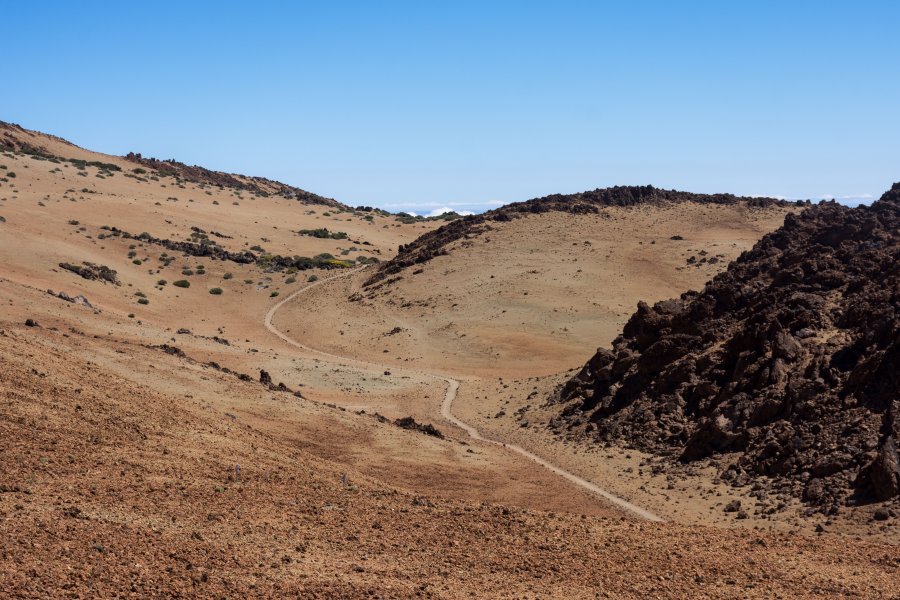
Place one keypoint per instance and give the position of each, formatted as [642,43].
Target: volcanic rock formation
[790,360]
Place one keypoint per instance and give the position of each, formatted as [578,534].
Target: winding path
[447,404]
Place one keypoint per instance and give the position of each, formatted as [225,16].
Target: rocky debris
[172,350]
[197,230]
[258,185]
[92,272]
[266,379]
[79,299]
[184,331]
[788,361]
[31,323]
[435,243]
[412,425]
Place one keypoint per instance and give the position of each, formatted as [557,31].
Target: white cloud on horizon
[446,209]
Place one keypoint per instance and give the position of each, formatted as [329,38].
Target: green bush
[227,276]
[273,294]
[161,282]
[291,280]
[182,283]
[216,291]
[138,261]
[312,278]
[187,272]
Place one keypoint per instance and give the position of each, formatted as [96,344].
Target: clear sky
[418,105]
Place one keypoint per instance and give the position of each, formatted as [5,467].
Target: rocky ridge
[786,366]
[435,243]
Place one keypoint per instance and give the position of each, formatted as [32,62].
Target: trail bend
[447,404]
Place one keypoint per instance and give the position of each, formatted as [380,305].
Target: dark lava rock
[410,423]
[31,323]
[173,350]
[885,472]
[265,378]
[790,359]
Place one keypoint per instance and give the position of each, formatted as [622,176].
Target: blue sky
[418,105]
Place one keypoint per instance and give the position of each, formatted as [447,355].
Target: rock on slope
[790,359]
[434,243]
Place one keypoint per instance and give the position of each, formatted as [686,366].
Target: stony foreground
[110,487]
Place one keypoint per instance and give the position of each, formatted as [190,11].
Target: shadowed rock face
[790,359]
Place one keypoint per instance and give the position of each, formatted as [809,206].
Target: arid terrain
[223,386]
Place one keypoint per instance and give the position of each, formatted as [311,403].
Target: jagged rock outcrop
[790,359]
[434,243]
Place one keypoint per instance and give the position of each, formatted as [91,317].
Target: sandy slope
[534,295]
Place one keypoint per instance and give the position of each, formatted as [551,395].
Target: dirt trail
[447,404]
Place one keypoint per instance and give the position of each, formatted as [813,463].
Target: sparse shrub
[182,283]
[227,276]
[273,294]
[73,222]
[138,261]
[312,278]
[291,280]
[323,233]
[11,174]
[143,301]
[187,272]
[216,291]
[161,282]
